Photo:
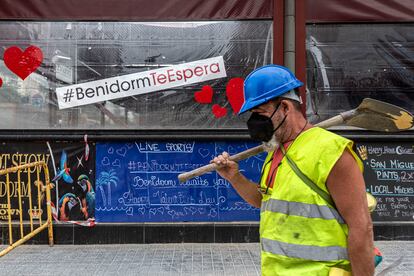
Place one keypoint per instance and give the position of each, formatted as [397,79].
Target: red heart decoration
[204,96]
[219,111]
[1,82]
[23,63]
[234,93]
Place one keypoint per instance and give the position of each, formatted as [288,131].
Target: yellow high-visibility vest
[300,234]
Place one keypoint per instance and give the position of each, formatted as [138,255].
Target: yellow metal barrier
[34,213]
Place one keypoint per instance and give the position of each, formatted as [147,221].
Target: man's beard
[271,145]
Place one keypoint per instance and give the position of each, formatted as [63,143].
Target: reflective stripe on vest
[301,209]
[309,252]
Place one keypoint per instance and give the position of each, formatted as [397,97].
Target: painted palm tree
[106,179]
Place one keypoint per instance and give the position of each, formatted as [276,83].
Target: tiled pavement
[164,259]
[139,259]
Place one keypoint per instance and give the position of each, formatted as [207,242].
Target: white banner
[140,83]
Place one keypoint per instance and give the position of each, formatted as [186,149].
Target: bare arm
[229,170]
[347,188]
[247,190]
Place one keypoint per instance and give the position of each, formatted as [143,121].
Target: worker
[300,232]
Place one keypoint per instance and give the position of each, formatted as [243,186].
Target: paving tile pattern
[137,259]
[401,252]
[164,259]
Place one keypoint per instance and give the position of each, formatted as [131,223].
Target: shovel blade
[380,116]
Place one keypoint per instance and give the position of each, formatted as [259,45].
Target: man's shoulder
[323,131]
[317,139]
[319,132]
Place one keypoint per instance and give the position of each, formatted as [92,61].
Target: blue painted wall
[137,182]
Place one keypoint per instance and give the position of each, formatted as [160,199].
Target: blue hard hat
[266,83]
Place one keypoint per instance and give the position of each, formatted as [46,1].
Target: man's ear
[285,106]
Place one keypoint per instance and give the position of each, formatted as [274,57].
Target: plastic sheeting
[348,62]
[76,52]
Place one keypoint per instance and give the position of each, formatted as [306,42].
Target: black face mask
[261,127]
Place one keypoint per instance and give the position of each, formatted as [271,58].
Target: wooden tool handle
[212,167]
[337,120]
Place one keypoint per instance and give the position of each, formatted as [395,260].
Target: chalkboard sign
[389,176]
[137,182]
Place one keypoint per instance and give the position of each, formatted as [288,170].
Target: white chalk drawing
[105,181]
[122,151]
[231,150]
[130,211]
[154,211]
[110,209]
[105,161]
[212,213]
[222,199]
[221,182]
[141,210]
[116,163]
[169,147]
[256,165]
[204,152]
